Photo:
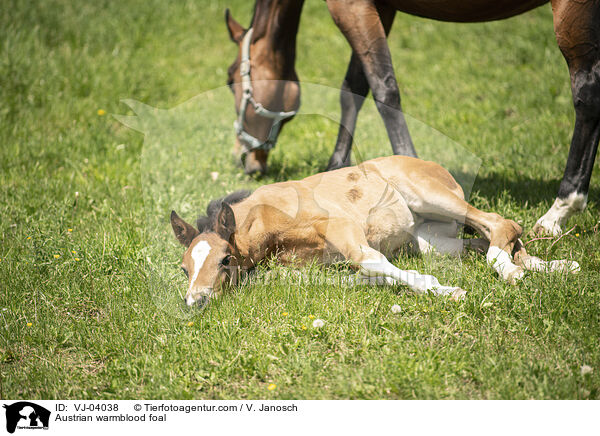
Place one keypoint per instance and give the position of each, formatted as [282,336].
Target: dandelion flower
[69,230]
[77,259]
[318,323]
[74,251]
[284,314]
[586,369]
[191,323]
[577,235]
[303,327]
[396,309]
[101,112]
[56,256]
[29,324]
[272,387]
[28,237]
[311,317]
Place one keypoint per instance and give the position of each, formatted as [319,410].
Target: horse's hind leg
[577,28]
[362,23]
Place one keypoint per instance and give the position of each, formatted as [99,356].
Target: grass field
[90,288]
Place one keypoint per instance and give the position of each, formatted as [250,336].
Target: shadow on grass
[523,190]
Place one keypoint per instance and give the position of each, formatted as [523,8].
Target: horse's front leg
[364,25]
[577,28]
[354,90]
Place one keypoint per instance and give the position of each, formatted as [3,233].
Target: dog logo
[26,415]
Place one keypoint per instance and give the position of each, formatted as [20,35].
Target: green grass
[111,324]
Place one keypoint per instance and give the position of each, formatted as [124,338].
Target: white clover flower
[586,369]
[396,309]
[318,323]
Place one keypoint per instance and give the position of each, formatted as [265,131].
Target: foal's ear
[236,31]
[184,232]
[225,226]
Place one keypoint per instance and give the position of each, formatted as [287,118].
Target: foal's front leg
[345,237]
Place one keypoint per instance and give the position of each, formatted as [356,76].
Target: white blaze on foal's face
[205,264]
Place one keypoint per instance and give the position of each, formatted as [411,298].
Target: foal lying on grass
[361,214]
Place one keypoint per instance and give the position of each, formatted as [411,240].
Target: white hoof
[564,266]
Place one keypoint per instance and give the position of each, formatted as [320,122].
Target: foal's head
[209,261]
[274,85]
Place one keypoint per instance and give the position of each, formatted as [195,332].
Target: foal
[361,214]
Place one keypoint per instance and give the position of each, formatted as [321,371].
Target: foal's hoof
[515,275]
[459,294]
[564,266]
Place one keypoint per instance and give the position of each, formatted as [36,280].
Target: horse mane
[207,223]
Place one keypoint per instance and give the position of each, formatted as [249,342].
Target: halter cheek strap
[249,142]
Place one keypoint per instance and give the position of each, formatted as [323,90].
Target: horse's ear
[236,31]
[184,232]
[225,226]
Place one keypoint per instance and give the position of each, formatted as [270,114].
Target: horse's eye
[185,272]
[225,261]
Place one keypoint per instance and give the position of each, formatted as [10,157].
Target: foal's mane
[207,223]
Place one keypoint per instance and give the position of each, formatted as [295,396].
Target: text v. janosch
[243,407]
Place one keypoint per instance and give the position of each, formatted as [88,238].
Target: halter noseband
[249,142]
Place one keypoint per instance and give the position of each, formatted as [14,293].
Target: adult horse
[263,76]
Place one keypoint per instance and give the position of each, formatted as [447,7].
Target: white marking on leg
[562,209]
[375,264]
[533,263]
[430,240]
[501,261]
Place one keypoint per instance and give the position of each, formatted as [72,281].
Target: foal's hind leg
[533,263]
[434,197]
[361,23]
[436,237]
[577,28]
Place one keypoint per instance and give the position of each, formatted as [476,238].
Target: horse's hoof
[546,228]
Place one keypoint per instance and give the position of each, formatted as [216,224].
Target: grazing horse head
[263,81]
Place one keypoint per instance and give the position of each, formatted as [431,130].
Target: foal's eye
[185,272]
[225,261]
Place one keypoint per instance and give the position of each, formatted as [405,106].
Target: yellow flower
[77,259]
[28,237]
[191,323]
[272,387]
[29,324]
[577,235]
[303,327]
[69,230]
[284,314]
[101,112]
[73,251]
[311,316]
[56,256]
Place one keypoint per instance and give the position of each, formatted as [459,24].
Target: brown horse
[263,76]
